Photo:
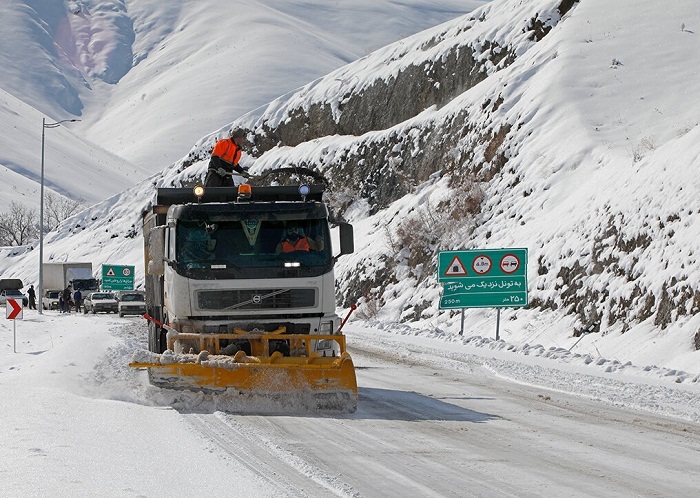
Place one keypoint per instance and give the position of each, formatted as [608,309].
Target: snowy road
[440,427]
[435,418]
[461,431]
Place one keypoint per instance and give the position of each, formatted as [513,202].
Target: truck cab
[225,266]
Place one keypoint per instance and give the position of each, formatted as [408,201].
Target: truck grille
[256,299]
[252,327]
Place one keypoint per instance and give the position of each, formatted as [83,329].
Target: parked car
[12,294]
[50,300]
[132,303]
[105,302]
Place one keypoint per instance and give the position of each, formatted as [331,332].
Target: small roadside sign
[117,277]
[14,309]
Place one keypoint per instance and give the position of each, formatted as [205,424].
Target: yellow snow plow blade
[331,378]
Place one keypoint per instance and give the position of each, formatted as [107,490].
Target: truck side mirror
[156,251]
[347,240]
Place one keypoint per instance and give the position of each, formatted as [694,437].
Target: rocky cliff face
[386,166]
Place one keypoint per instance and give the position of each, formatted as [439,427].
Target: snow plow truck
[231,307]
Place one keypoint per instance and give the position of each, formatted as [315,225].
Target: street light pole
[44,125]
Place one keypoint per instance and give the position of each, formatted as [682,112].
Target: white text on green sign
[491,293]
[483,278]
[117,277]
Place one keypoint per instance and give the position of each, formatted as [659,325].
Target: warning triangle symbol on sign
[110,272]
[456,268]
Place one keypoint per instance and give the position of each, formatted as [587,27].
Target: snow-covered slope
[74,167]
[148,78]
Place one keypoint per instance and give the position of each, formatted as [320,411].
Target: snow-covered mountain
[148,78]
[568,128]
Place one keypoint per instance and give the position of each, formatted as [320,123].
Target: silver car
[132,303]
[105,302]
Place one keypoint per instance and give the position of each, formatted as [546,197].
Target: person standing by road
[78,299]
[31,298]
[67,297]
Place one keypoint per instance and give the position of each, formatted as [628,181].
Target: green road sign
[483,278]
[116,277]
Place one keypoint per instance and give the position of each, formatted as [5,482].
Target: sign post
[483,278]
[14,311]
[117,277]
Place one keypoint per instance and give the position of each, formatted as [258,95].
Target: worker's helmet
[237,133]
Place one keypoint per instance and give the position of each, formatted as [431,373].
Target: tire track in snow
[249,445]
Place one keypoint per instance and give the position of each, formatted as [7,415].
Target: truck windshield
[254,248]
[85,284]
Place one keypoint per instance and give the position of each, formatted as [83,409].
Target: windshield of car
[132,297]
[102,296]
[13,292]
[52,294]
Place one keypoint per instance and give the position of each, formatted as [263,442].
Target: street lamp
[44,125]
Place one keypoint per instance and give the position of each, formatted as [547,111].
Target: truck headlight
[326,328]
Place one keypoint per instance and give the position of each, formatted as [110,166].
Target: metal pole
[498,323]
[461,330]
[41,223]
[44,125]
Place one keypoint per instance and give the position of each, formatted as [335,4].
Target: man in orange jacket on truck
[224,161]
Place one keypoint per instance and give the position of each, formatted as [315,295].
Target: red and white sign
[510,263]
[456,268]
[14,309]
